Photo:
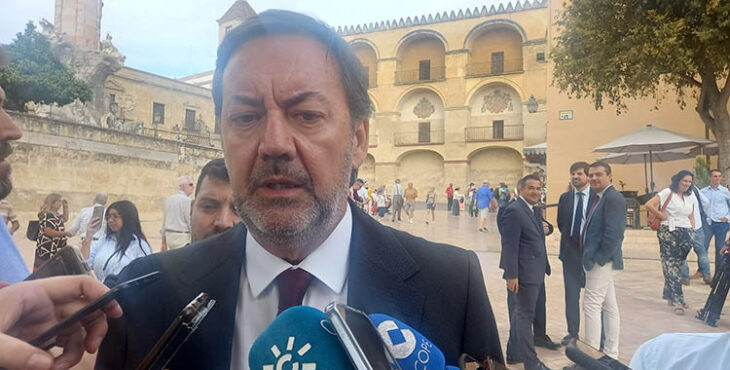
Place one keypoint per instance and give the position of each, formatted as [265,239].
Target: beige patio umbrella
[648,140]
[644,157]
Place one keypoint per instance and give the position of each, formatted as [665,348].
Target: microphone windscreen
[299,338]
[409,348]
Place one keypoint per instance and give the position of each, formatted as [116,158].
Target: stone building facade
[457,95]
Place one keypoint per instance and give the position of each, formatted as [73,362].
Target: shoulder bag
[654,221]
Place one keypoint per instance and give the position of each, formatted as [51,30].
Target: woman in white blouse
[122,243]
[675,233]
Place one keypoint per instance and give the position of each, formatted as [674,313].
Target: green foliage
[617,50]
[702,172]
[36,74]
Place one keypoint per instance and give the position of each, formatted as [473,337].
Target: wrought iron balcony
[494,67]
[493,133]
[423,137]
[420,75]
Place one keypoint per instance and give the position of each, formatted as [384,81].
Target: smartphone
[42,341]
[184,325]
[360,338]
[67,261]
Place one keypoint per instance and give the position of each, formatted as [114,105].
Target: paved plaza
[644,314]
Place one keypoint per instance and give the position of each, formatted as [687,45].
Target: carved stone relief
[497,101]
[424,109]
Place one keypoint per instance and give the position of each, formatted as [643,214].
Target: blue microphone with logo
[410,348]
[301,338]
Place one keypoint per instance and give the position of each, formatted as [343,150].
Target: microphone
[409,348]
[300,338]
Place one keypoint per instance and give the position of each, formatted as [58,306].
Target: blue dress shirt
[719,202]
[12,266]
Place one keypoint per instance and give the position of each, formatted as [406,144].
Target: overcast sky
[179,38]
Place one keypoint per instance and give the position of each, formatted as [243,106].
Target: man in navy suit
[525,264]
[572,208]
[294,109]
[603,234]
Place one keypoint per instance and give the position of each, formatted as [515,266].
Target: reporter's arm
[27,309]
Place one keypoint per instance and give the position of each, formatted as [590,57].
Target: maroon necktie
[292,284]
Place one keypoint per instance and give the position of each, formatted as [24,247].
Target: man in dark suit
[525,264]
[572,208]
[294,111]
[603,234]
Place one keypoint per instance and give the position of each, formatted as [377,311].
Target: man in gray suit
[602,236]
[524,261]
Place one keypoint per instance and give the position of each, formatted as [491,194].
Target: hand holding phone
[29,308]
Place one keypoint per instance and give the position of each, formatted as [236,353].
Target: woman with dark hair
[122,243]
[52,232]
[674,206]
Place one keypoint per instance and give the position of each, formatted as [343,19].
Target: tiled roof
[239,10]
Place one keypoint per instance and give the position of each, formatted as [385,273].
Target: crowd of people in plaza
[273,226]
[478,201]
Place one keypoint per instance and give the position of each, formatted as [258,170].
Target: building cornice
[441,17]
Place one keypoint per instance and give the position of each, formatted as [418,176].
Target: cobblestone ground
[644,315]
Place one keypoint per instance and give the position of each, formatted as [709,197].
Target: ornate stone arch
[411,89]
[364,41]
[495,80]
[494,23]
[420,33]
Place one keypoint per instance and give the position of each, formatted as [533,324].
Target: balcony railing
[493,133]
[494,67]
[419,75]
[431,137]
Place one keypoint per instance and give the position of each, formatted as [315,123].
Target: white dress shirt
[82,221]
[586,200]
[680,351]
[258,297]
[104,261]
[177,213]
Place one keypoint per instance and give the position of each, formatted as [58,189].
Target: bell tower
[79,21]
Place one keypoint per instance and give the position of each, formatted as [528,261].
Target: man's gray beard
[300,228]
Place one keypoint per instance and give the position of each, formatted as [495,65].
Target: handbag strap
[666,202]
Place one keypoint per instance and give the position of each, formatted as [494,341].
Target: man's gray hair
[523,181]
[100,198]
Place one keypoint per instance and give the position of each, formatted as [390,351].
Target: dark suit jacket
[436,288]
[524,255]
[569,252]
[604,232]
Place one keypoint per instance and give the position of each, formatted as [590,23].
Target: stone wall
[80,160]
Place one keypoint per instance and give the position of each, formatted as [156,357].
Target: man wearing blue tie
[572,208]
[718,214]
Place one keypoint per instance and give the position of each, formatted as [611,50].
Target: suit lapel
[221,280]
[531,215]
[379,267]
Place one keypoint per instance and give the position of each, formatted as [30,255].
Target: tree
[36,74]
[617,50]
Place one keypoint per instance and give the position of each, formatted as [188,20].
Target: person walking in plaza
[503,195]
[602,236]
[572,208]
[78,227]
[471,198]
[382,202]
[431,204]
[718,214]
[52,234]
[525,264]
[410,195]
[675,206]
[698,241]
[484,197]
[176,217]
[455,202]
[449,195]
[397,200]
[123,241]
